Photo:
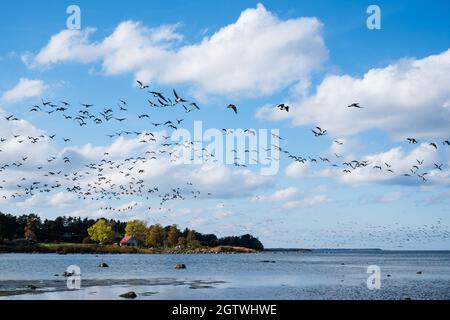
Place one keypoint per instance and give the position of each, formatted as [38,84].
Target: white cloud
[407,98]
[24,89]
[308,201]
[297,170]
[401,161]
[292,198]
[57,200]
[315,200]
[280,195]
[257,54]
[218,180]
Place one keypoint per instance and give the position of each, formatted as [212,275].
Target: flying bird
[141,85]
[355,105]
[282,107]
[232,107]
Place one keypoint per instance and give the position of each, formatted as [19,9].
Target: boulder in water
[129,295]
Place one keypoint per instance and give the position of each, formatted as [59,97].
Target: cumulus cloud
[297,170]
[57,200]
[280,195]
[24,89]
[400,161]
[213,180]
[257,54]
[308,201]
[292,198]
[410,97]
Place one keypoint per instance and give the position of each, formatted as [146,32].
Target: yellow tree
[137,229]
[102,231]
[173,235]
[155,236]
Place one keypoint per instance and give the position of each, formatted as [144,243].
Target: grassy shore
[65,248]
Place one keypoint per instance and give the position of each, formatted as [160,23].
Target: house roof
[125,239]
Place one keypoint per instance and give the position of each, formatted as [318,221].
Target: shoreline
[114,249]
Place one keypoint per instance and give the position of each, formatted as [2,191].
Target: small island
[66,235]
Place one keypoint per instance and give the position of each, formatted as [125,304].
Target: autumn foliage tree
[173,235]
[155,236]
[102,231]
[30,228]
[137,229]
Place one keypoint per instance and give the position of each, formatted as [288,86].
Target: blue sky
[317,65]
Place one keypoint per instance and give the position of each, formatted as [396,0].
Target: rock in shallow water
[129,295]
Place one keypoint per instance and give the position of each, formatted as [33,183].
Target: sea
[270,275]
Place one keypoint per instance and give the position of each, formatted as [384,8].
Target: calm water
[292,276]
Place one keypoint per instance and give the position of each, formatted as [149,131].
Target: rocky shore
[115,249]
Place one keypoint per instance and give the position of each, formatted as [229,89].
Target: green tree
[156,236]
[8,226]
[137,229]
[172,236]
[102,231]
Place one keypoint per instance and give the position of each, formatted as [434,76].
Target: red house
[130,241]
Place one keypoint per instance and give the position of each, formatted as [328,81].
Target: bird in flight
[433,145]
[319,132]
[412,140]
[178,99]
[282,107]
[232,107]
[355,105]
[141,85]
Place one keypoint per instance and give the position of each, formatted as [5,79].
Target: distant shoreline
[114,249]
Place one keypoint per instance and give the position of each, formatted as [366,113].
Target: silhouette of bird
[282,107]
[355,105]
[232,107]
[141,85]
[319,132]
[433,145]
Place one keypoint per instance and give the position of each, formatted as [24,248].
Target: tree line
[109,231]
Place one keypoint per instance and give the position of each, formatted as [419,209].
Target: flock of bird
[94,181]
[346,233]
